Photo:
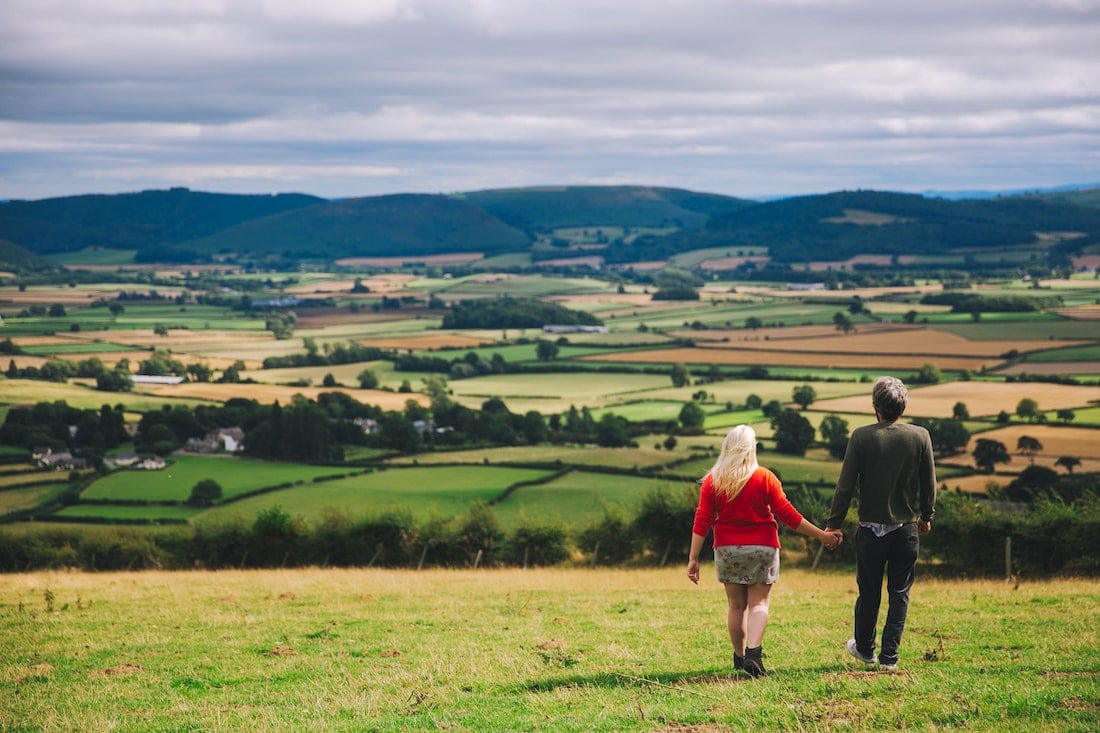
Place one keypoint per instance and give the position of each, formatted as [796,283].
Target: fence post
[1008,557]
[477,560]
[595,553]
[423,555]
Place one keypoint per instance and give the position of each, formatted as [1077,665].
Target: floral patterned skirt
[746,564]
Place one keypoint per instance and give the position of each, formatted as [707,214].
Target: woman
[741,500]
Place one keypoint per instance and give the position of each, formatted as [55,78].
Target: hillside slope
[400,224]
[542,209]
[847,223]
[141,221]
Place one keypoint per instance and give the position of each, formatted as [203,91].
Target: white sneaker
[888,667]
[851,647]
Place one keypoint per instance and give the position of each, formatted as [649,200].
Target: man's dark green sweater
[891,464]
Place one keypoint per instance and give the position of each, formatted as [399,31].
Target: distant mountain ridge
[184,226]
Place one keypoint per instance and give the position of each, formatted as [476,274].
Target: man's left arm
[927,480]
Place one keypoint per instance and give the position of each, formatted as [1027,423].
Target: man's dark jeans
[893,555]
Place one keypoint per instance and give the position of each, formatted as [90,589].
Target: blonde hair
[736,462]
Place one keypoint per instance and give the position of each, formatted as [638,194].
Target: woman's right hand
[693,571]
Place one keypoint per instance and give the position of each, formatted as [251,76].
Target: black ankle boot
[738,661]
[754,664]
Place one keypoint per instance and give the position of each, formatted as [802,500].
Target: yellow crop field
[268,393]
[816,360]
[982,399]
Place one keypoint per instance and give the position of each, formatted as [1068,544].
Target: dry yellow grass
[887,340]
[1057,440]
[428,341]
[810,360]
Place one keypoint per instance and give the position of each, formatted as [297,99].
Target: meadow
[547,649]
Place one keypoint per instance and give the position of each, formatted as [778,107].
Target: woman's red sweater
[750,518]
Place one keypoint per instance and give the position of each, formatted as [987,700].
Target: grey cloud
[341,97]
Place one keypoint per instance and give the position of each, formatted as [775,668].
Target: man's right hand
[923,527]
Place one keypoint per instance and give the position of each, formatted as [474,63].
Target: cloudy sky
[750,98]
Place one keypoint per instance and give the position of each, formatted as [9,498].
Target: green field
[425,492]
[507,650]
[577,499]
[236,476]
[28,497]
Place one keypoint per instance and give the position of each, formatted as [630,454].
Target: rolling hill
[399,224]
[181,225]
[143,221]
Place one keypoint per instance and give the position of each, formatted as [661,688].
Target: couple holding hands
[891,466]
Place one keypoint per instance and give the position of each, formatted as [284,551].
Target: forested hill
[401,224]
[847,223]
[141,221]
[544,209]
[185,226]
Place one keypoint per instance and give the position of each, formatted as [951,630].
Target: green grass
[549,650]
[425,492]
[1074,353]
[577,499]
[28,392]
[127,513]
[96,256]
[75,348]
[28,497]
[236,476]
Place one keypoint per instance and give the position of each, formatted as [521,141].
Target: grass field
[235,475]
[551,650]
[424,491]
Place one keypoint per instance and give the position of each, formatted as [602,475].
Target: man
[892,465]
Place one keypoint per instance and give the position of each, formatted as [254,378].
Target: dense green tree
[1027,409]
[988,453]
[679,375]
[546,350]
[792,432]
[369,380]
[803,395]
[959,411]
[834,433]
[1068,462]
[205,493]
[1028,446]
[692,416]
[612,431]
[928,374]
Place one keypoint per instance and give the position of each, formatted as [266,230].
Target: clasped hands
[833,539]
